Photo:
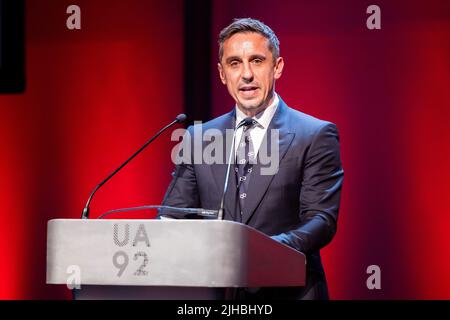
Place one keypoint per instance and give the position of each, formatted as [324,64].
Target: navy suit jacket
[298,205]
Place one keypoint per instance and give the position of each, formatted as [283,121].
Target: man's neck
[253,112]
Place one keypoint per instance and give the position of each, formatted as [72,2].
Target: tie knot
[248,123]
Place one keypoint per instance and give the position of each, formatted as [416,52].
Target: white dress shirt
[258,131]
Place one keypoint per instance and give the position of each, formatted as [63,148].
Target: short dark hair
[249,25]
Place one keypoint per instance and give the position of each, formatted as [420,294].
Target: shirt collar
[264,117]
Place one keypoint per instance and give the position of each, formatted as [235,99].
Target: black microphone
[246,122]
[180,118]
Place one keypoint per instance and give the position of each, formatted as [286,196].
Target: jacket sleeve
[320,193]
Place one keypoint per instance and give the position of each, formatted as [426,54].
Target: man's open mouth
[248,90]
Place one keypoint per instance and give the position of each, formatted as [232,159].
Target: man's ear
[278,68]
[221,73]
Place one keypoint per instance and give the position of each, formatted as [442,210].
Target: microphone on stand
[246,122]
[85,214]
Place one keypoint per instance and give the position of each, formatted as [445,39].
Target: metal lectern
[166,259]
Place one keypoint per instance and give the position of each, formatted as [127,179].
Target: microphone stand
[85,214]
[245,122]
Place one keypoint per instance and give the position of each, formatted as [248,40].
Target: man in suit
[297,203]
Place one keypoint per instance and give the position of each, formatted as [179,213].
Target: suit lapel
[260,183]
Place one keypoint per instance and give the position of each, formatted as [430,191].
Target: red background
[95,95]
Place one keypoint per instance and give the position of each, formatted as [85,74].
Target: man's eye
[257,61]
[234,63]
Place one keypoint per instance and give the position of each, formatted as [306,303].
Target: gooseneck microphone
[246,122]
[180,118]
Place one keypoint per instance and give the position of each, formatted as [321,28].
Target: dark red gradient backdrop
[95,95]
[388,92]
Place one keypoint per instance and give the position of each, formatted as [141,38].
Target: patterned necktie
[245,158]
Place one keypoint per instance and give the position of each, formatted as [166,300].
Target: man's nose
[247,73]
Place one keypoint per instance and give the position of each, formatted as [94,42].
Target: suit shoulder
[302,121]
[215,123]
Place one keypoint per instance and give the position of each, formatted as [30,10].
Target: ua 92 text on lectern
[166,259]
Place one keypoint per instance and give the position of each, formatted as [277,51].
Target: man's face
[248,70]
